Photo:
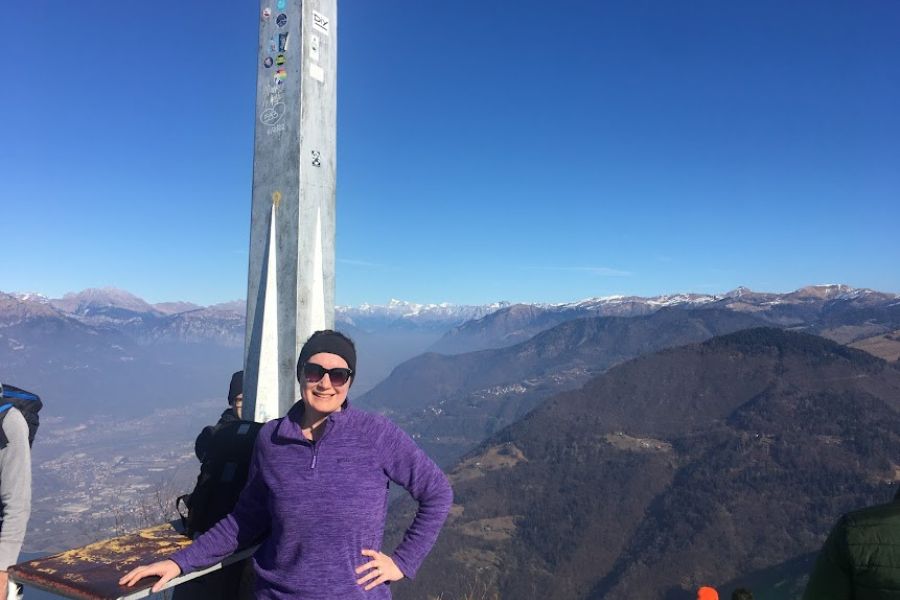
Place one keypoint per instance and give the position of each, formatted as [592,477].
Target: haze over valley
[558,422]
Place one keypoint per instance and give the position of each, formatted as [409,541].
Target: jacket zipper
[315,445]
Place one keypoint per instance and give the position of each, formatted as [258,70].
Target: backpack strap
[11,392]
[183,515]
[4,410]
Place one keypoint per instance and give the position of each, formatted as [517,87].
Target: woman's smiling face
[322,396]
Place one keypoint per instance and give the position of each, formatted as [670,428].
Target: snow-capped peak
[31,297]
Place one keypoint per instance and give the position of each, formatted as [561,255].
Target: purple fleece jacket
[320,504]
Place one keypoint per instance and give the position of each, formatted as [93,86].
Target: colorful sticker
[281,4]
[282,42]
[266,13]
[281,20]
[321,22]
[280,75]
[268,62]
[317,72]
[314,48]
[279,60]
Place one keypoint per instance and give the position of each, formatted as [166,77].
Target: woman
[318,492]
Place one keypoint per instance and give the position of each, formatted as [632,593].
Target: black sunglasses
[314,373]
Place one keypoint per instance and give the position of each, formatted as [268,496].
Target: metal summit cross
[291,275]
[290,291]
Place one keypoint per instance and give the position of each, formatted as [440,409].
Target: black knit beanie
[237,386]
[327,340]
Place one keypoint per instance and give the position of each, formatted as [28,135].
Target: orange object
[707,593]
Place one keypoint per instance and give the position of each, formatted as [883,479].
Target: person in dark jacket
[861,557]
[229,415]
[236,580]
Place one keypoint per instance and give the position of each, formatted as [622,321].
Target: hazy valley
[663,426]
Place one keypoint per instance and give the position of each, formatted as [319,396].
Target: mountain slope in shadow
[693,466]
[451,403]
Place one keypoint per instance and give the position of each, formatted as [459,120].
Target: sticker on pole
[317,72]
[321,22]
[314,48]
[281,20]
[266,13]
[280,75]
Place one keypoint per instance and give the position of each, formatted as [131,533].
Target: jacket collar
[288,429]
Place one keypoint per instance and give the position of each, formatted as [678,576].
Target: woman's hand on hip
[380,569]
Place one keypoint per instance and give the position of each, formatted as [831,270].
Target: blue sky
[526,151]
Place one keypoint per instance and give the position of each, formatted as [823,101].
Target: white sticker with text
[321,22]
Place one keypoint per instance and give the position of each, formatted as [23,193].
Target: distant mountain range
[451,402]
[512,324]
[98,342]
[100,330]
[398,314]
[692,466]
[463,328]
[111,306]
[94,357]
[609,448]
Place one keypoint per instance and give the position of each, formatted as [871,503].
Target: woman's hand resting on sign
[166,570]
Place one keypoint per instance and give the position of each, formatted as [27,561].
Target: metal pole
[290,291]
